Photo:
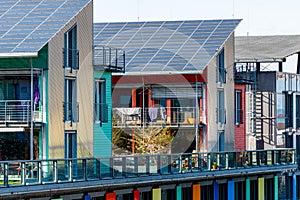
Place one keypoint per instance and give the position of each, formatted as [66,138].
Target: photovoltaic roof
[166,46]
[27,25]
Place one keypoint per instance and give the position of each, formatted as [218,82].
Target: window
[297,111]
[289,110]
[101,108]
[70,144]
[221,141]
[238,114]
[71,54]
[221,72]
[221,112]
[70,104]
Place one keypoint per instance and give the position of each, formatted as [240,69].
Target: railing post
[6,174]
[208,161]
[226,161]
[55,171]
[5,111]
[40,172]
[23,173]
[84,170]
[70,170]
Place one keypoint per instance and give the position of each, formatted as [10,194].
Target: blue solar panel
[166,45]
[26,26]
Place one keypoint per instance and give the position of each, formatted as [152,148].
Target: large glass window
[238,114]
[289,110]
[70,104]
[70,144]
[297,111]
[221,72]
[221,113]
[221,141]
[101,108]
[71,54]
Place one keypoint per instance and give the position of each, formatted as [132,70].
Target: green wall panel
[37,62]
[103,132]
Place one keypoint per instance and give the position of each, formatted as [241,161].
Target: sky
[259,17]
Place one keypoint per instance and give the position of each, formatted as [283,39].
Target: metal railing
[158,116]
[55,171]
[112,59]
[71,111]
[18,111]
[71,58]
[101,112]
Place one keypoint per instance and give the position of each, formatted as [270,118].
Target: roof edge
[19,55]
[160,73]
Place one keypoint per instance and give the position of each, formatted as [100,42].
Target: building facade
[55,97]
[178,75]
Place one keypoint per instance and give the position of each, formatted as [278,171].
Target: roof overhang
[266,49]
[19,55]
[260,60]
[144,73]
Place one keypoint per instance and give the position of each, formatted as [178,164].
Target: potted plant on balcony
[214,165]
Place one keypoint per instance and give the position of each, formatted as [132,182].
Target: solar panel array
[166,45]
[27,25]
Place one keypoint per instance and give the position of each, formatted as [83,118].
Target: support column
[230,190]
[248,194]
[196,192]
[261,188]
[280,66]
[133,98]
[156,194]
[298,64]
[111,196]
[216,191]
[136,195]
[275,187]
[178,193]
[169,110]
[294,187]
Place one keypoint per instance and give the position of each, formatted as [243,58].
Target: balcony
[110,58]
[159,116]
[163,167]
[18,112]
[244,74]
[71,112]
[71,59]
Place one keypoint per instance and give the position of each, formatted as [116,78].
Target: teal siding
[103,133]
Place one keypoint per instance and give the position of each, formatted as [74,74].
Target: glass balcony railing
[55,171]
[19,111]
[158,116]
